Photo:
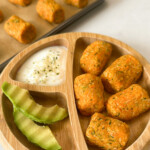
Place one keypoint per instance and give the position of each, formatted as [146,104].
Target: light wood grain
[69,132]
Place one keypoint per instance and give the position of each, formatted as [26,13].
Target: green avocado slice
[39,135]
[23,101]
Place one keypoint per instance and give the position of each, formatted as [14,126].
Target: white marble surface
[125,20]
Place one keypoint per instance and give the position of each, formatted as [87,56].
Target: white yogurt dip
[45,67]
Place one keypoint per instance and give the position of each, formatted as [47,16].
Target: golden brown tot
[1,16]
[107,133]
[89,94]
[123,72]
[95,56]
[50,11]
[21,2]
[19,29]
[128,103]
[77,3]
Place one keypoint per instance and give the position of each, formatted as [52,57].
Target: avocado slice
[39,135]
[22,100]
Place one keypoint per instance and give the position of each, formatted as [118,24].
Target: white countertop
[125,20]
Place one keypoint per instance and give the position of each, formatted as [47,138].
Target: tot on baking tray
[1,16]
[107,133]
[123,72]
[21,2]
[89,94]
[19,29]
[77,3]
[129,103]
[95,56]
[50,11]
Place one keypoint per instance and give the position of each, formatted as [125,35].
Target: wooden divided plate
[69,132]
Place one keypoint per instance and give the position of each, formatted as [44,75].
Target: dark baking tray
[62,25]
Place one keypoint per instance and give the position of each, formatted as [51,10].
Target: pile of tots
[128,100]
[49,10]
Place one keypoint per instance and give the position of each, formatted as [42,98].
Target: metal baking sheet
[10,47]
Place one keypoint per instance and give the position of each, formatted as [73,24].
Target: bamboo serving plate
[69,132]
